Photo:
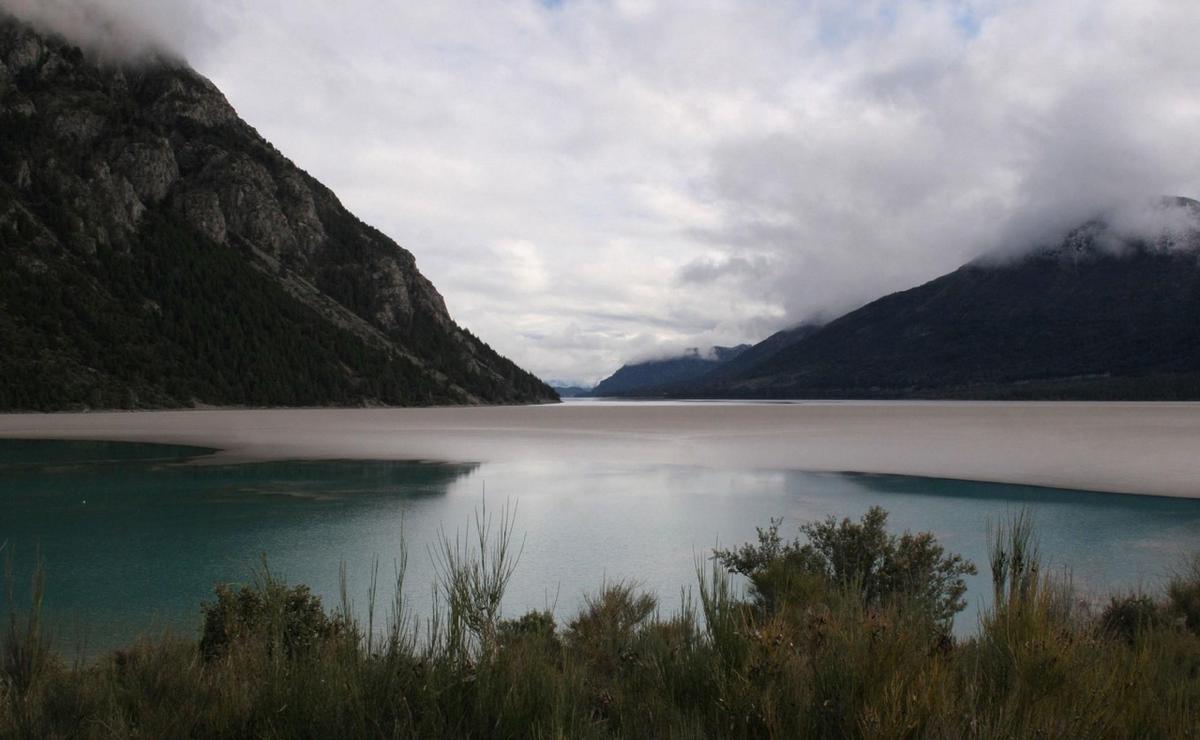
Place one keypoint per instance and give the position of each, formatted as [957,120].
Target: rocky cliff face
[103,165]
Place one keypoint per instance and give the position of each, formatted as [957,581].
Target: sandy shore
[1120,447]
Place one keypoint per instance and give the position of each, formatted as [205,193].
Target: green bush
[271,615]
[1183,595]
[838,656]
[533,624]
[1127,616]
[884,567]
[604,632]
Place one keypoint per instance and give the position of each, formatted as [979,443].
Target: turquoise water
[133,537]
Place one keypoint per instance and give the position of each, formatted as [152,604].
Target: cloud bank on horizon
[593,181]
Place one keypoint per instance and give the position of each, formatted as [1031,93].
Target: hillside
[1098,316]
[155,251]
[648,378]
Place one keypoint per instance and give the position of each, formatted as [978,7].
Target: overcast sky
[592,181]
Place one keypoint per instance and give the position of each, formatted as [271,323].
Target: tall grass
[837,647]
[25,659]
[473,570]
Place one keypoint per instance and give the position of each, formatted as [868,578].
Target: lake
[134,536]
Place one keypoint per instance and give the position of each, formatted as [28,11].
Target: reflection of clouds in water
[329,478]
[289,493]
[582,522]
[326,481]
[1177,543]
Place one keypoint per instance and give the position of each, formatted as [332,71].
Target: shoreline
[1117,447]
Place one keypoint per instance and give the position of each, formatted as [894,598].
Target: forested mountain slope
[1101,315]
[155,251]
[651,376]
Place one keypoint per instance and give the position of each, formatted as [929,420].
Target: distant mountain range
[571,391]
[1098,316]
[155,251]
[648,376]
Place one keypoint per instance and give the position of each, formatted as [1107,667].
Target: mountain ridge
[650,376]
[121,177]
[1100,315]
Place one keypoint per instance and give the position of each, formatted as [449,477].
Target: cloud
[1166,223]
[588,180]
[118,29]
[707,270]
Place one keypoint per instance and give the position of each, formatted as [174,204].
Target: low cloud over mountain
[590,180]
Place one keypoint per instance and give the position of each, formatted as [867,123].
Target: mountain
[749,356]
[571,391]
[649,378]
[155,251]
[1098,316]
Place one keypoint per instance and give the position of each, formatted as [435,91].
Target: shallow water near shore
[133,537]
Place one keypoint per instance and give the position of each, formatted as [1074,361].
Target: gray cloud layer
[119,29]
[594,180]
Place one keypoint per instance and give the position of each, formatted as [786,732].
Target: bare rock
[22,106]
[52,66]
[150,167]
[79,126]
[252,210]
[300,208]
[25,53]
[395,301]
[202,210]
[189,97]
[22,177]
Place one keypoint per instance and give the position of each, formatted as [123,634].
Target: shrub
[851,662]
[473,571]
[883,567]
[271,615]
[604,631]
[534,630]
[26,649]
[612,614]
[1183,595]
[1127,616]
[537,624]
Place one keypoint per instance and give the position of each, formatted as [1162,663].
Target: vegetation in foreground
[844,633]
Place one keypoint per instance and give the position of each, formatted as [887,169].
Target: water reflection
[133,538]
[129,532]
[39,452]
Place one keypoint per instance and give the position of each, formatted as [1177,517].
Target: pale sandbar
[1146,448]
